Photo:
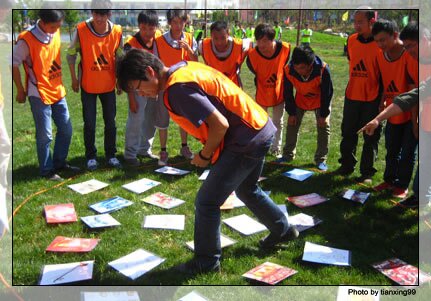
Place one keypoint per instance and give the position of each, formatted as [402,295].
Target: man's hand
[21,95]
[75,85]
[291,120]
[198,161]
[322,122]
[370,127]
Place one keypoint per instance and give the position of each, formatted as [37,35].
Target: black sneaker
[271,240]
[365,179]
[344,171]
[410,202]
[68,167]
[53,177]
[193,267]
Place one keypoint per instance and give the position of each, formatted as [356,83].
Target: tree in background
[71,17]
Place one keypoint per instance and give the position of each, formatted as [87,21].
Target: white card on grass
[224,242]
[54,274]
[162,200]
[141,185]
[303,221]
[244,224]
[164,221]
[204,175]
[112,204]
[110,296]
[136,264]
[326,255]
[298,174]
[168,170]
[100,221]
[193,296]
[87,186]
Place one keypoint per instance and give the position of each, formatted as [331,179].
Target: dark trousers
[401,147]
[89,111]
[355,115]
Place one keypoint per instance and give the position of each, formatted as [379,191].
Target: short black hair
[383,25]
[51,15]
[410,32]
[176,13]
[303,55]
[264,30]
[149,17]
[133,64]
[218,26]
[369,13]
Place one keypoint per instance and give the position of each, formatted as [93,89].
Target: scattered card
[347,293]
[110,205]
[244,224]
[231,202]
[164,221]
[204,175]
[303,221]
[224,241]
[136,264]
[402,273]
[193,296]
[269,273]
[66,273]
[355,196]
[61,213]
[326,255]
[88,186]
[110,296]
[298,174]
[306,200]
[70,244]
[168,170]
[141,185]
[100,221]
[162,200]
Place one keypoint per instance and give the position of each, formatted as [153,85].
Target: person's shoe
[364,179]
[410,202]
[132,162]
[186,152]
[193,267]
[283,160]
[114,162]
[344,171]
[383,186]
[276,153]
[322,166]
[271,240]
[92,164]
[399,192]
[163,158]
[148,155]
[68,167]
[53,177]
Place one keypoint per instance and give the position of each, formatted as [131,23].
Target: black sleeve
[289,99]
[326,93]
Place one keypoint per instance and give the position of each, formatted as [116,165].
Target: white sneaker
[186,152]
[114,162]
[92,164]
[163,158]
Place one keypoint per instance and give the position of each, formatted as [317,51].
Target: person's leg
[109,108]
[323,134]
[185,150]
[349,136]
[148,130]
[407,160]
[89,110]
[277,119]
[134,129]
[292,132]
[42,119]
[162,123]
[60,115]
[393,149]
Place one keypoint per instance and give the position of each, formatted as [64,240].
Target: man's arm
[72,53]
[20,54]
[390,111]
[21,92]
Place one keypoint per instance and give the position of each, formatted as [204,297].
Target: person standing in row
[99,42]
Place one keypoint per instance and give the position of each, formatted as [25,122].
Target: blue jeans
[237,172]
[401,147]
[89,111]
[42,114]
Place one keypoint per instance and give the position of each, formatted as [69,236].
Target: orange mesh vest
[134,43]
[98,58]
[425,116]
[394,77]
[228,66]
[215,84]
[170,55]
[46,59]
[307,95]
[363,82]
[269,76]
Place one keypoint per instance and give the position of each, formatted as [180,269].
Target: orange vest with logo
[269,76]
[98,58]
[425,116]
[364,73]
[170,55]
[395,81]
[134,43]
[307,95]
[215,84]
[46,60]
[229,66]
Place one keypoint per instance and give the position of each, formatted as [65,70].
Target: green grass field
[373,232]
